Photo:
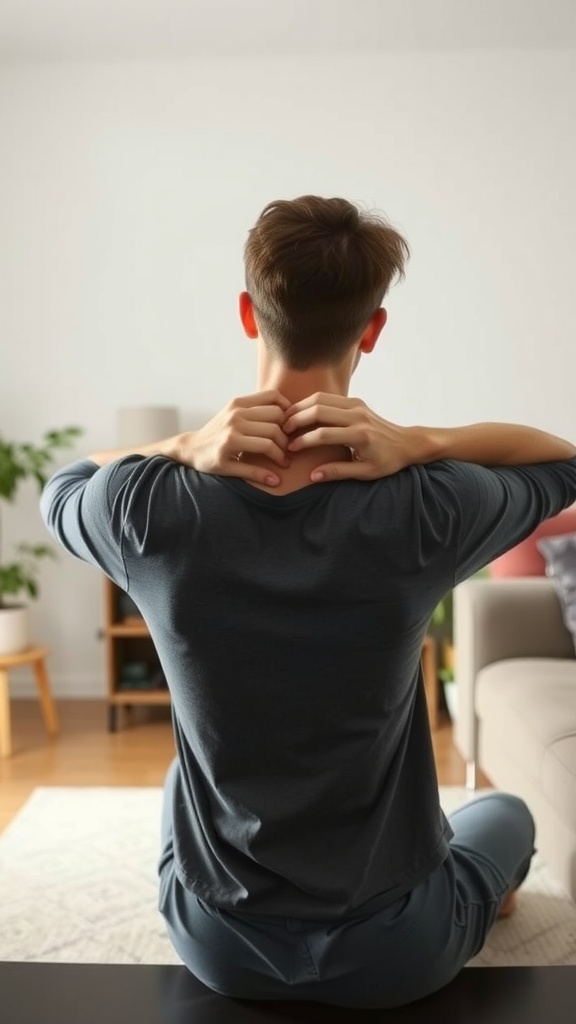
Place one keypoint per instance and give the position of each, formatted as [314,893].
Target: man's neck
[298,384]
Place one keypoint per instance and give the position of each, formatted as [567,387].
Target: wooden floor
[86,754]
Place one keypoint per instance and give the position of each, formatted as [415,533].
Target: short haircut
[316,271]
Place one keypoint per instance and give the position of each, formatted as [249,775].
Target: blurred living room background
[140,141]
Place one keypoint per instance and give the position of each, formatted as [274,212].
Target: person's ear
[247,317]
[373,330]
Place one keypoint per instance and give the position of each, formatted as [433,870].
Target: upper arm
[85,507]
[127,509]
[495,508]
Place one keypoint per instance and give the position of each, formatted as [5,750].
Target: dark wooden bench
[39,993]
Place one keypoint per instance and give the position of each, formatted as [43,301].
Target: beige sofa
[516,704]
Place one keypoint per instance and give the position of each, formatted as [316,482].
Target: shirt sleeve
[493,509]
[85,507]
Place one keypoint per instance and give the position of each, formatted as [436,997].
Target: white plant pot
[14,629]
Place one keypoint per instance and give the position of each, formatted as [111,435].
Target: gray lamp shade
[146,423]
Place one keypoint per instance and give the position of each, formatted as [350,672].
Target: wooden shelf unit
[127,641]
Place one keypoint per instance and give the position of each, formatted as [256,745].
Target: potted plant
[19,462]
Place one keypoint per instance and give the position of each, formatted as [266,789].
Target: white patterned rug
[78,884]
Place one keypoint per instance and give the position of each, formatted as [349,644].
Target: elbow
[56,503]
[46,506]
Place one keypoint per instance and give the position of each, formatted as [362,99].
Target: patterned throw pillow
[560,557]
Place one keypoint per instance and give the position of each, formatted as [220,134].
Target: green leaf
[439,614]
[19,462]
[36,550]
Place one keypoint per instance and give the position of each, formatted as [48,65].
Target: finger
[253,474]
[347,436]
[271,413]
[262,446]
[273,397]
[322,398]
[343,471]
[260,428]
[324,414]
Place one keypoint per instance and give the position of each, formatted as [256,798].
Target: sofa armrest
[498,619]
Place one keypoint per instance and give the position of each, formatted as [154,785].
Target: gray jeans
[391,958]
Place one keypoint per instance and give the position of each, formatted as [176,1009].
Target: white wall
[126,194]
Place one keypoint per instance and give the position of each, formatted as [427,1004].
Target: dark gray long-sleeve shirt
[290,630]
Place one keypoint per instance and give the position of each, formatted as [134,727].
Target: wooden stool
[35,656]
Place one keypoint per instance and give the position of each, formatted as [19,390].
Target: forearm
[171,448]
[490,444]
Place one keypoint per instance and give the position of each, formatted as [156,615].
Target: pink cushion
[525,559]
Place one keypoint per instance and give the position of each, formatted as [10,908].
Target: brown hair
[317,270]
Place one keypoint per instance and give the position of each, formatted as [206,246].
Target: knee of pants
[497,829]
